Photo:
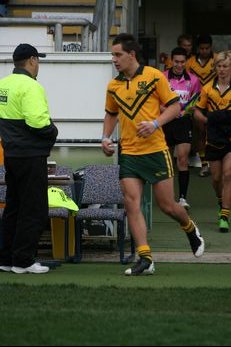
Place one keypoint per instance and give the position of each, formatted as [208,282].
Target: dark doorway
[211,16]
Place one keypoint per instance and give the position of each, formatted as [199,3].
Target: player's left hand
[145,129]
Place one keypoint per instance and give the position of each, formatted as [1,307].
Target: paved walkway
[163,257]
[189,258]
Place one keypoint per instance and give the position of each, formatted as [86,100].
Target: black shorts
[178,131]
[213,153]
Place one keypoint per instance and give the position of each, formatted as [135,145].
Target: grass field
[94,304]
[165,234]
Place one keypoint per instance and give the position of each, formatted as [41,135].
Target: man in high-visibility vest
[28,134]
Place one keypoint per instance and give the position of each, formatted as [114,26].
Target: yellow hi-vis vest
[58,198]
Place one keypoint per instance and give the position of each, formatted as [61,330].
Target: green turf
[71,315]
[166,234]
[95,305]
[111,274]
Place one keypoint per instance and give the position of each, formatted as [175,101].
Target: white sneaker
[5,268]
[184,203]
[35,268]
[196,241]
[194,161]
[205,171]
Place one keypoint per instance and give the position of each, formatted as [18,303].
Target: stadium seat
[101,187]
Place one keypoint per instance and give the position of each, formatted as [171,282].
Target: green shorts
[153,167]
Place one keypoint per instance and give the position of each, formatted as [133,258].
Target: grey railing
[86,25]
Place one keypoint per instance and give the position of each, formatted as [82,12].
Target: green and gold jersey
[211,99]
[139,100]
[204,72]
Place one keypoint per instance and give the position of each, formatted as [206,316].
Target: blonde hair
[222,56]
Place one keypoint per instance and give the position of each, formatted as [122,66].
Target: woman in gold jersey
[214,110]
[134,98]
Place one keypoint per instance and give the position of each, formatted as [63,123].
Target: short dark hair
[183,37]
[128,43]
[204,38]
[178,51]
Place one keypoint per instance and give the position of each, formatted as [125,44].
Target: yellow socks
[189,227]
[145,252]
[224,213]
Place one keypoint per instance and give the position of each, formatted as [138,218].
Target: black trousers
[26,212]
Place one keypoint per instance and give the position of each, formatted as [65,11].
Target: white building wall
[12,36]
[75,85]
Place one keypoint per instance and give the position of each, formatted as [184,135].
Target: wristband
[105,137]
[156,124]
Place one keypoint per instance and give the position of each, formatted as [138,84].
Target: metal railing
[86,25]
[94,35]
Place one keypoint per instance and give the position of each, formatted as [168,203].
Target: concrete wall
[11,36]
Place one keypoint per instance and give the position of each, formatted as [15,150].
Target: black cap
[25,51]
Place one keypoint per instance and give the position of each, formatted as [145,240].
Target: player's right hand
[108,147]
